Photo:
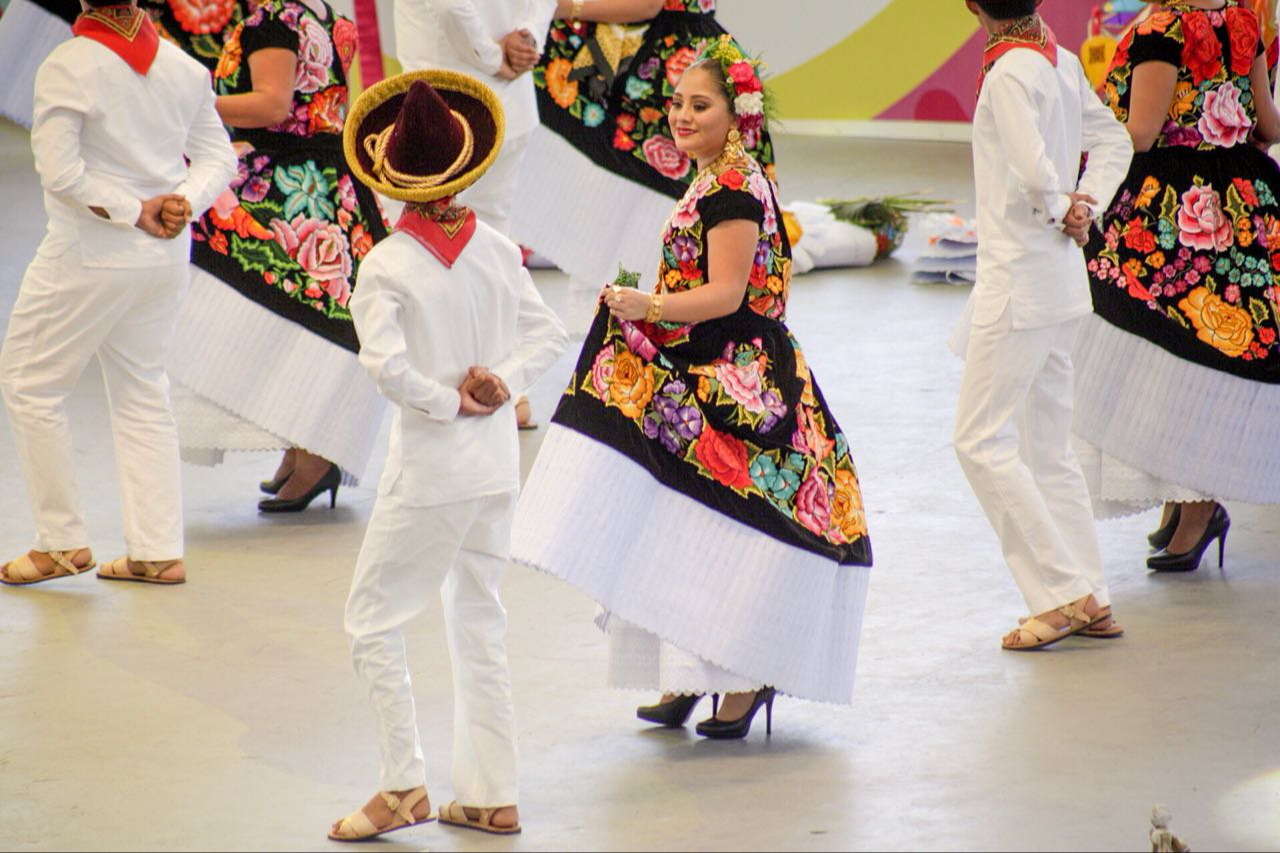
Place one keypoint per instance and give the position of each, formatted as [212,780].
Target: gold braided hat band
[375,144]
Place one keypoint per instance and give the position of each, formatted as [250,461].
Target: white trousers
[65,314]
[491,197]
[1013,439]
[409,552]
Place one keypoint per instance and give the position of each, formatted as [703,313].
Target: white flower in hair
[748,104]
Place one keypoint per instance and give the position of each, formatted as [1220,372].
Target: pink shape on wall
[948,93]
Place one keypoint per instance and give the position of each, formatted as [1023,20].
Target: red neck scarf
[126,30]
[443,230]
[1030,32]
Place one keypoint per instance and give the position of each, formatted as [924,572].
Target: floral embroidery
[730,401]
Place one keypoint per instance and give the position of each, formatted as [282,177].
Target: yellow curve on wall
[876,65]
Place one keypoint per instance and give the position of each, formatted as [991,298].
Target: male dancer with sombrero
[450,326]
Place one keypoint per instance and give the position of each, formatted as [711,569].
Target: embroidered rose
[345,40]
[602,371]
[315,55]
[743,384]
[1201,52]
[1224,327]
[562,90]
[1188,137]
[1139,238]
[347,193]
[203,16]
[323,251]
[1201,222]
[1242,29]
[686,212]
[1223,121]
[847,513]
[813,504]
[678,63]
[809,437]
[731,179]
[632,386]
[662,154]
[724,457]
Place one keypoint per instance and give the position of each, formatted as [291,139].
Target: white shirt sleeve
[213,160]
[464,29]
[61,104]
[540,340]
[1109,146]
[1016,115]
[376,310]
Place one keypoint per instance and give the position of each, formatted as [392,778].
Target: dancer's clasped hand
[164,216]
[519,53]
[482,392]
[1079,218]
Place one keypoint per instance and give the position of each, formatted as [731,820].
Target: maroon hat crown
[426,145]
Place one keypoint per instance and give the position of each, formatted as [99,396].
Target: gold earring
[733,147]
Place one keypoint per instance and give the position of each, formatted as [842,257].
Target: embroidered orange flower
[229,62]
[1150,189]
[218,242]
[650,115]
[361,241]
[1158,22]
[1155,260]
[327,111]
[847,512]
[1244,232]
[1224,327]
[202,16]
[562,90]
[242,222]
[631,387]
[1184,100]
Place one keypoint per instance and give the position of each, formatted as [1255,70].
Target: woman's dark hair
[1007,10]
[716,70]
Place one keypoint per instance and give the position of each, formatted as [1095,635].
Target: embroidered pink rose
[339,290]
[345,40]
[686,212]
[1224,121]
[662,154]
[324,252]
[743,384]
[813,504]
[1201,222]
[315,55]
[347,193]
[602,371]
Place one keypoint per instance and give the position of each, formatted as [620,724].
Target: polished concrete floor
[224,714]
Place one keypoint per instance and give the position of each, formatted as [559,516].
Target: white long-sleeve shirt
[422,326]
[1032,123]
[462,35]
[105,136]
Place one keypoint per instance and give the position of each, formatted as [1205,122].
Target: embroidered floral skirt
[1178,372]
[695,484]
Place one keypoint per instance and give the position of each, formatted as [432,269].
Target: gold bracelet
[576,14]
[654,314]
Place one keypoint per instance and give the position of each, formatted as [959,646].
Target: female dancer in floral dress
[603,162]
[1178,370]
[265,352]
[693,480]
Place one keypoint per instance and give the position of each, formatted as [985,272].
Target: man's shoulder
[175,58]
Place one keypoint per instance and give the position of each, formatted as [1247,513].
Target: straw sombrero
[423,135]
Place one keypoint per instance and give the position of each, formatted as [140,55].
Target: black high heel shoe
[1160,539]
[273,487]
[717,729]
[673,714]
[328,483]
[1219,524]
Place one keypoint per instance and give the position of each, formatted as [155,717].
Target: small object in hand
[625,278]
[1162,838]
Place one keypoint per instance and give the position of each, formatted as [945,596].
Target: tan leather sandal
[125,569]
[1036,634]
[357,826]
[456,815]
[24,571]
[1105,628]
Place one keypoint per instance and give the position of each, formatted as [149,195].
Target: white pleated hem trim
[1120,490]
[28,34]
[639,660]
[285,381]
[734,597]
[1188,426]
[585,219]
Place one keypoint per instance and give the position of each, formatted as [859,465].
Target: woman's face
[700,116]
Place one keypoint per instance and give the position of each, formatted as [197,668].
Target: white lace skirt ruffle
[715,588]
[1162,428]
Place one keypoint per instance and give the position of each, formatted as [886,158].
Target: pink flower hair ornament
[753,103]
